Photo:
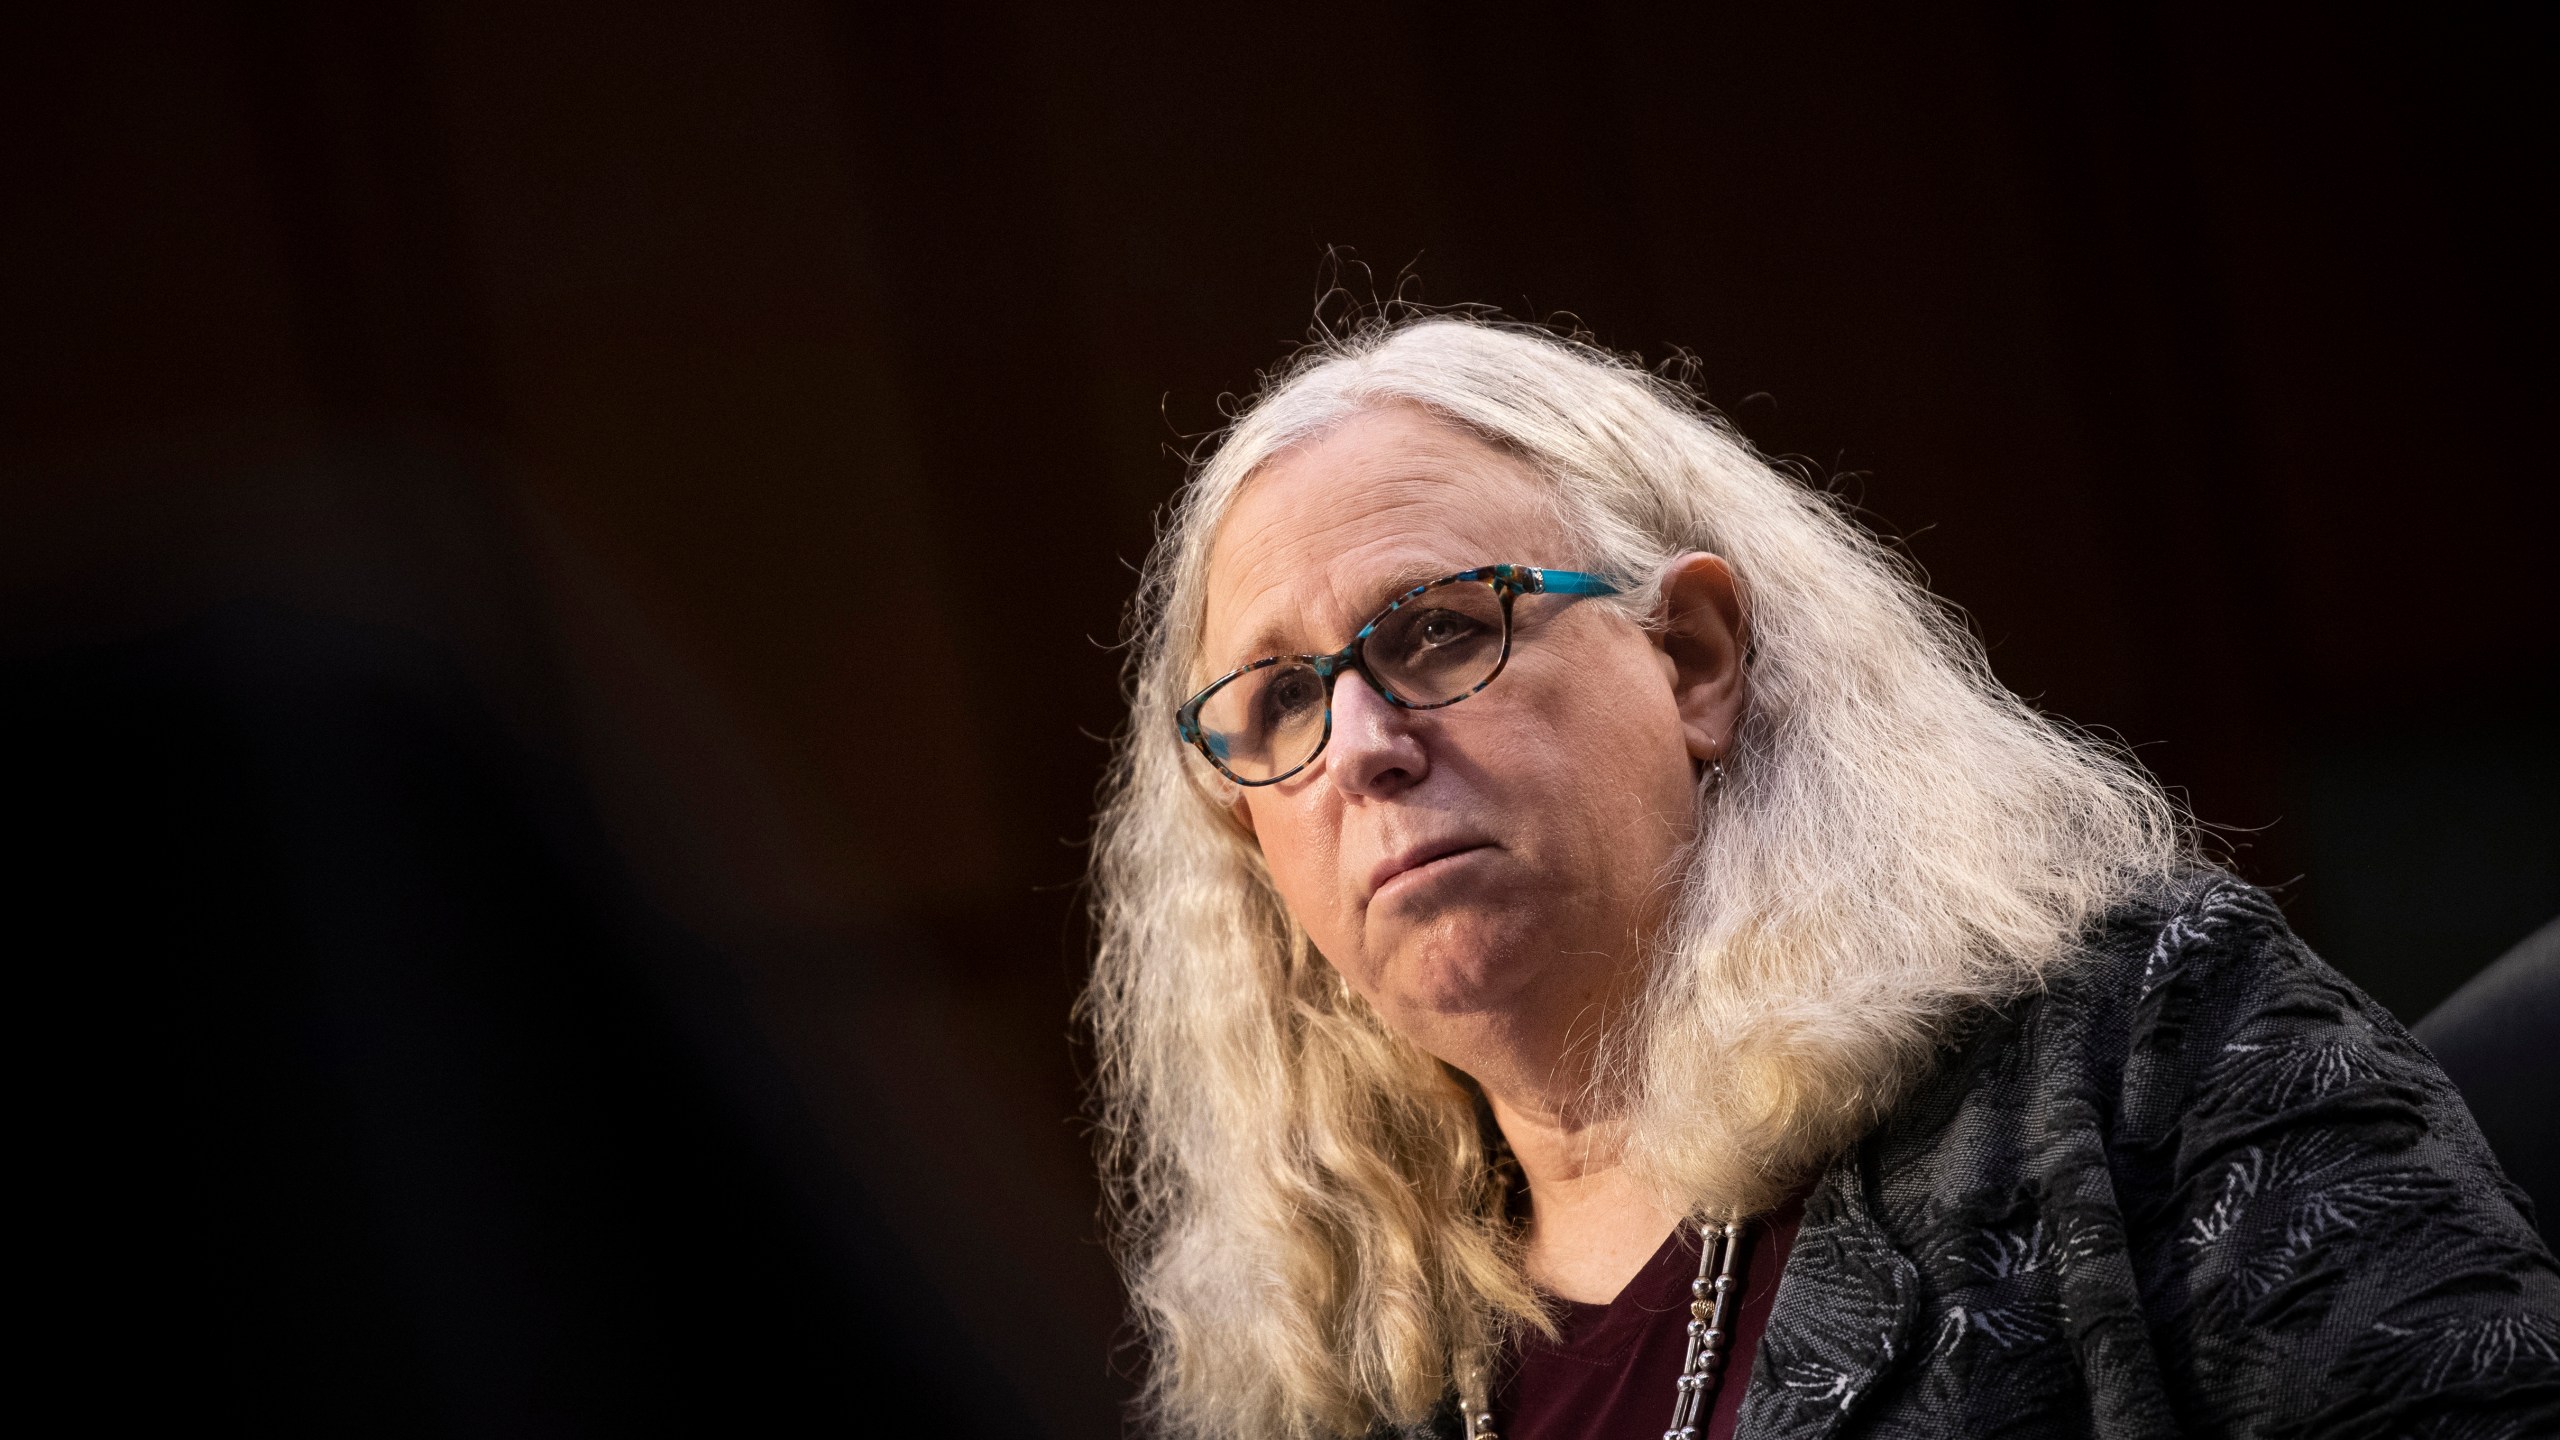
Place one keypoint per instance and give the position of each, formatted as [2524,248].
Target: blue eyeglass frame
[1509,582]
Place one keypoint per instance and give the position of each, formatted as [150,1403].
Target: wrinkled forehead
[1326,532]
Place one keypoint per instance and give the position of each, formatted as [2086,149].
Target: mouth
[1415,862]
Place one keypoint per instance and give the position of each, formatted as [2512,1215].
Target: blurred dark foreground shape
[376,1098]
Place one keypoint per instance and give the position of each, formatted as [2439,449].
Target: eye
[1439,628]
[1291,694]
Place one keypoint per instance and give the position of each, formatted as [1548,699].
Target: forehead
[1328,531]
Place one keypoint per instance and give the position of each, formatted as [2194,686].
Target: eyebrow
[1266,639]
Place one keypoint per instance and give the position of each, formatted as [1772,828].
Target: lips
[1415,856]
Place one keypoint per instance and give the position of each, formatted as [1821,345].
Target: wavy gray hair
[1302,1198]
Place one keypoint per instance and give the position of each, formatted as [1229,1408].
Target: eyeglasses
[1434,645]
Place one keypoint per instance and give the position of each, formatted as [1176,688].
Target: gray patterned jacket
[2201,1186]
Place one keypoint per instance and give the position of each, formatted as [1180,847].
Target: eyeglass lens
[1438,647]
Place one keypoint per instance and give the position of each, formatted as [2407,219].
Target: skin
[1484,875]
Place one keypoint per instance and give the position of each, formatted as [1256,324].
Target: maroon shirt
[1613,1374]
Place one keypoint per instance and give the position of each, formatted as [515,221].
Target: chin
[1457,967]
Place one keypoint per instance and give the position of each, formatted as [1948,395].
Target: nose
[1374,751]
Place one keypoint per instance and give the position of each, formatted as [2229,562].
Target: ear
[1704,634]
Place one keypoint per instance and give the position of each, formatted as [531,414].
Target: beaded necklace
[1713,1297]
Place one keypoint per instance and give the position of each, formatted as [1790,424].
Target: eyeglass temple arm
[1573,582]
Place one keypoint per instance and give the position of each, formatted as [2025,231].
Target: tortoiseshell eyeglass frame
[1509,583]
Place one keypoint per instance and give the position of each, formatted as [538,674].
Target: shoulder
[2208,1019]
[2127,1033]
[2166,957]
[2210,1032]
[2309,1193]
[2237,1176]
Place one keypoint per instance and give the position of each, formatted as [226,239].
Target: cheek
[1302,853]
[1650,751]
[1616,756]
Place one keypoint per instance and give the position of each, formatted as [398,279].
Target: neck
[1592,1226]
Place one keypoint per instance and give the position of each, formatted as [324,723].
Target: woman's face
[1480,874]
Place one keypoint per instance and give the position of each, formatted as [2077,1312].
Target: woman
[1578,918]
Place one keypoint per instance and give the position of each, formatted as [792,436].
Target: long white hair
[1303,1199]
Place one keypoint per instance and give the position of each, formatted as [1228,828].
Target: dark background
[560,565]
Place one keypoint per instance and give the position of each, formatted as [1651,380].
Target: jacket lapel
[1843,1315]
